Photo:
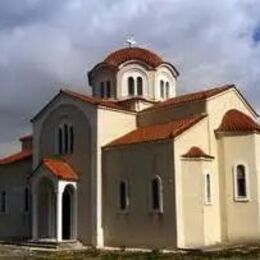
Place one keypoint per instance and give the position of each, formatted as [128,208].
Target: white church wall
[103,76]
[15,222]
[164,74]
[83,117]
[198,135]
[133,70]
[216,108]
[139,226]
[111,125]
[242,216]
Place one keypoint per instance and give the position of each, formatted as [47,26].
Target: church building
[134,165]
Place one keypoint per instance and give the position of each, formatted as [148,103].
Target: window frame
[5,202]
[102,89]
[108,93]
[60,135]
[160,209]
[208,200]
[127,202]
[167,89]
[162,89]
[27,200]
[238,198]
[140,86]
[131,87]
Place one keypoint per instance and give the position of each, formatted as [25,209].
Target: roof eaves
[39,113]
[246,102]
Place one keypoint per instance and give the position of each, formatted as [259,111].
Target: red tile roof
[191,97]
[61,169]
[196,152]
[120,56]
[92,100]
[158,132]
[83,98]
[20,156]
[236,121]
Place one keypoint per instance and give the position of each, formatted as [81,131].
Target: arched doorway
[68,213]
[46,208]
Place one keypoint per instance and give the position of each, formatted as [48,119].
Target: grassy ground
[238,253]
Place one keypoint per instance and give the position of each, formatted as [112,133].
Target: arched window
[26,200]
[102,90]
[208,199]
[65,139]
[162,89]
[108,94]
[139,86]
[71,141]
[123,196]
[167,89]
[3,201]
[131,86]
[60,140]
[241,182]
[156,194]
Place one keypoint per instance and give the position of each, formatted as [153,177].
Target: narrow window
[26,200]
[60,141]
[108,89]
[139,86]
[71,139]
[167,89]
[241,181]
[131,86]
[207,188]
[162,88]
[3,202]
[123,195]
[66,138]
[102,90]
[156,194]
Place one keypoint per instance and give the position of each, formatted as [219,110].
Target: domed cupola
[132,73]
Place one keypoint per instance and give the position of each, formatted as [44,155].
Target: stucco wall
[163,73]
[15,223]
[240,218]
[94,127]
[216,108]
[104,75]
[134,70]
[82,159]
[139,227]
[83,117]
[196,136]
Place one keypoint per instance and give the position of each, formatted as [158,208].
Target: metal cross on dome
[131,42]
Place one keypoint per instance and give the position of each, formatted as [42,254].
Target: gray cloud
[49,44]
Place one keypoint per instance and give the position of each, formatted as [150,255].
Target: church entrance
[46,209]
[54,209]
[67,213]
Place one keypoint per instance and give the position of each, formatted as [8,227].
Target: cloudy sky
[50,44]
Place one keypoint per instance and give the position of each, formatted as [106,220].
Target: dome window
[139,86]
[131,86]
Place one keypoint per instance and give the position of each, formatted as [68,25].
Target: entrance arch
[46,208]
[68,213]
